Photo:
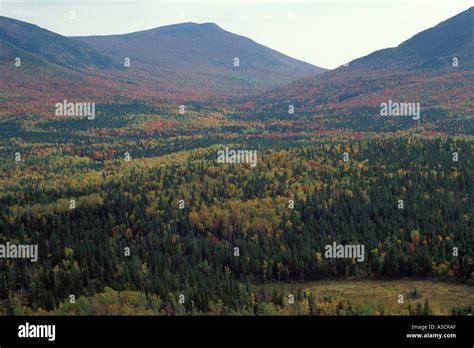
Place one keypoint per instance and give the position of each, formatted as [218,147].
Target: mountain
[51,68]
[420,70]
[186,62]
[431,49]
[41,46]
[202,57]
[195,62]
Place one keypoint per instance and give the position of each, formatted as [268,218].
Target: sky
[326,33]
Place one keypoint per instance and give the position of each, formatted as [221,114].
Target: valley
[157,177]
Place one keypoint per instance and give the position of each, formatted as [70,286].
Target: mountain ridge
[203,49]
[187,61]
[29,39]
[192,62]
[420,68]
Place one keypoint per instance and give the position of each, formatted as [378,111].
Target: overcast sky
[326,33]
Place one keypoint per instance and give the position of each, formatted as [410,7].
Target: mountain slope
[433,48]
[186,62]
[21,39]
[420,70]
[192,55]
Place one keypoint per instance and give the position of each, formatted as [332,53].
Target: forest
[155,225]
[168,167]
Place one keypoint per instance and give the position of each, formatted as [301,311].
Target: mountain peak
[184,27]
[203,54]
[199,59]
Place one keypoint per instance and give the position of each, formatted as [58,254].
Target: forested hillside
[434,68]
[182,216]
[187,190]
